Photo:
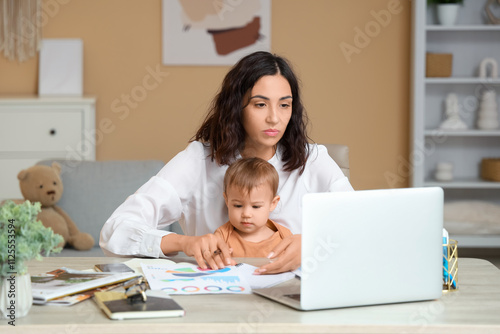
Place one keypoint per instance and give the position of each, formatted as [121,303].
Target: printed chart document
[158,305]
[136,263]
[64,281]
[186,279]
[262,281]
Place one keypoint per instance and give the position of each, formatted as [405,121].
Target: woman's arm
[136,226]
[323,174]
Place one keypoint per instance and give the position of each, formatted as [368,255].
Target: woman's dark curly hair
[223,128]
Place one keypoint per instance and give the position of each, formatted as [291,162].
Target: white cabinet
[33,128]
[470,41]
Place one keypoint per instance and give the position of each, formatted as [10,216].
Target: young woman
[258,112]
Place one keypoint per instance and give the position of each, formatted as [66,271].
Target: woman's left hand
[287,256]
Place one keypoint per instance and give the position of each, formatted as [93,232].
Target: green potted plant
[22,238]
[447,10]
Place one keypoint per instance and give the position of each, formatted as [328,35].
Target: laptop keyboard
[294,296]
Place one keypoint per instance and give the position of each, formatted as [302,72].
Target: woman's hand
[287,256]
[209,248]
[206,249]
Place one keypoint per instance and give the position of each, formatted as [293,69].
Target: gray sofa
[94,189]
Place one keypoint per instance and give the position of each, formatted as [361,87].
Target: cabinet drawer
[29,131]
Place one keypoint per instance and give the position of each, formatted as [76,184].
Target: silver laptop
[368,247]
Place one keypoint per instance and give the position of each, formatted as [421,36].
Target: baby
[250,192]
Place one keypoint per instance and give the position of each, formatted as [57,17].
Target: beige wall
[363,103]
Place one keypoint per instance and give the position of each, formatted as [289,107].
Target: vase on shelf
[444,171]
[447,13]
[453,120]
[488,114]
[15,296]
[492,65]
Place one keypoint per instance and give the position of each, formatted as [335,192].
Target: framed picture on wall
[214,32]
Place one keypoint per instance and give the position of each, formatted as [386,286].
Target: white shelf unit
[463,27]
[37,128]
[470,41]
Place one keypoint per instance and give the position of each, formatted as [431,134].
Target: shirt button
[150,249]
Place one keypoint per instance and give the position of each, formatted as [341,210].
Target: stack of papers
[65,282]
[262,281]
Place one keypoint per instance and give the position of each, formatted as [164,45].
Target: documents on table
[262,281]
[64,281]
[65,286]
[187,278]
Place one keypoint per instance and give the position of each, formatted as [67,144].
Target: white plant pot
[447,14]
[15,296]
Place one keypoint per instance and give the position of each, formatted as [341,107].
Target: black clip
[135,290]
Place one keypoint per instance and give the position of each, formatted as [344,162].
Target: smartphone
[113,267]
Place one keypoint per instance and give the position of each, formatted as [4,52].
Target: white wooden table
[475,307]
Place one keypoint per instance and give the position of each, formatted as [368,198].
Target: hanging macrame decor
[20,28]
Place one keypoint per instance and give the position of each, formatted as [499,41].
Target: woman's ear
[274,203]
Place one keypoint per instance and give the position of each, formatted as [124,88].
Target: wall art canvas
[214,32]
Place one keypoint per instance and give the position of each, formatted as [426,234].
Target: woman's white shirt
[188,189]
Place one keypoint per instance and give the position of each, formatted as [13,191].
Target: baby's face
[249,212]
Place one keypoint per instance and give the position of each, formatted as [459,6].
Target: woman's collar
[276,156]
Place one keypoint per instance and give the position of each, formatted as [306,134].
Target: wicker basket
[438,65]
[490,169]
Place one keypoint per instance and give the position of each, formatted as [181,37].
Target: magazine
[75,298]
[64,281]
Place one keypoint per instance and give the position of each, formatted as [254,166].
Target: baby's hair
[248,173]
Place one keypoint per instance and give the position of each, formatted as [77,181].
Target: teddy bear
[43,184]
